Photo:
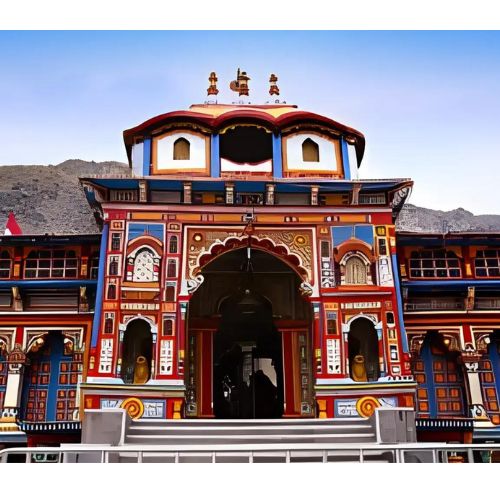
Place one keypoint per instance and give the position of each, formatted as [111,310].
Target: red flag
[12,227]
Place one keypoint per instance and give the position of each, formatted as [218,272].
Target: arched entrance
[137,352]
[363,351]
[249,348]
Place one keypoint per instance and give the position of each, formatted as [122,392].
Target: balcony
[438,304]
[487,303]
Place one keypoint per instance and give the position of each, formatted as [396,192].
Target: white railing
[305,452]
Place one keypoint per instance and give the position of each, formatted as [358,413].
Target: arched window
[144,267]
[355,272]
[181,149]
[310,151]
[172,247]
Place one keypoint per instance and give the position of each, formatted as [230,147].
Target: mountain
[420,219]
[49,199]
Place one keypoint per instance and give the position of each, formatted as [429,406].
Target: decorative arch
[231,243]
[123,326]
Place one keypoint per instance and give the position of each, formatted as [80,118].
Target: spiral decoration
[134,407]
[366,406]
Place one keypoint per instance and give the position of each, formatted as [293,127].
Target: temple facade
[244,271]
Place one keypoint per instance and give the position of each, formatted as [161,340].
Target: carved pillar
[470,359]
[16,361]
[381,349]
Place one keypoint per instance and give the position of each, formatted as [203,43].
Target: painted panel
[136,229]
[164,149]
[329,154]
[344,233]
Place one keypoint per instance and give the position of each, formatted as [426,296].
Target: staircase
[266,440]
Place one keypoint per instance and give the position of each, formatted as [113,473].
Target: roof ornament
[212,79]
[273,89]
[240,85]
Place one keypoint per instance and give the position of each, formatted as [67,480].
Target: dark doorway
[137,352]
[249,297]
[248,371]
[363,351]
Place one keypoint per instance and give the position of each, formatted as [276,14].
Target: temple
[245,271]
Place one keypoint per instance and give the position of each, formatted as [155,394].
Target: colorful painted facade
[451,289]
[243,272]
[47,294]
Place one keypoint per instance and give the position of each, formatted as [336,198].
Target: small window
[170,293]
[181,149]
[172,247]
[112,292]
[172,268]
[355,272]
[310,151]
[113,266]
[115,241]
[168,327]
[108,325]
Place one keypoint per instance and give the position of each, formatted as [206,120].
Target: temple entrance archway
[248,342]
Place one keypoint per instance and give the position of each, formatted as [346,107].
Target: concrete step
[166,430]
[211,422]
[218,439]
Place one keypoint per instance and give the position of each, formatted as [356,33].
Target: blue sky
[427,102]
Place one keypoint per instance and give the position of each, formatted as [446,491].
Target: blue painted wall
[214,156]
[100,285]
[277,156]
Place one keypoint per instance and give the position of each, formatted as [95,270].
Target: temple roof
[216,116]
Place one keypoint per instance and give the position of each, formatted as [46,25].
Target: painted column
[397,288]
[181,343]
[16,361]
[146,159]
[317,338]
[214,156]
[277,156]
[345,159]
[471,358]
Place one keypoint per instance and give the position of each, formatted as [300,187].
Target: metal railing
[299,452]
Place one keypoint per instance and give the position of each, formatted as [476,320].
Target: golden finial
[240,85]
[273,89]
[212,79]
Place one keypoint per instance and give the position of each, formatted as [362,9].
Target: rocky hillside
[49,199]
[414,218]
